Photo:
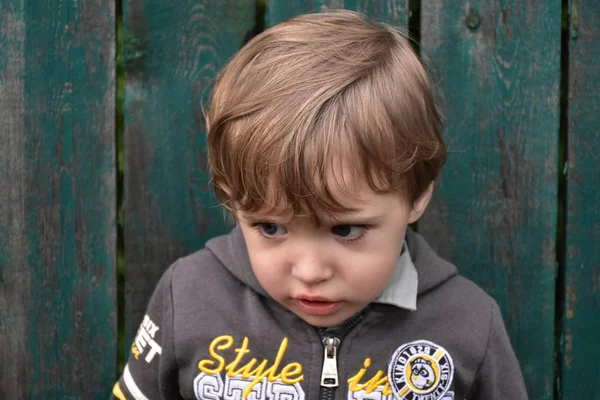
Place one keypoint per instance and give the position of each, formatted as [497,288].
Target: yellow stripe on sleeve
[118,392]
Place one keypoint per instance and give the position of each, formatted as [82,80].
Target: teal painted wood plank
[173,51]
[495,212]
[57,200]
[580,343]
[393,12]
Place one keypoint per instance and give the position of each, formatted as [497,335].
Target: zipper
[329,374]
[332,340]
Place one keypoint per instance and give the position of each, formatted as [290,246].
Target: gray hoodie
[211,332]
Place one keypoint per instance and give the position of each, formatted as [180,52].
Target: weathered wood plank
[582,327]
[173,52]
[57,200]
[495,212]
[393,12]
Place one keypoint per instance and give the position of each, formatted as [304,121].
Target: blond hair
[314,94]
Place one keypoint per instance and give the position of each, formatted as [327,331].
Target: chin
[327,321]
[321,322]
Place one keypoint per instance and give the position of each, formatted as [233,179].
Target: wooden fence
[518,209]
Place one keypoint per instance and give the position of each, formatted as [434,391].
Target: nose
[310,268]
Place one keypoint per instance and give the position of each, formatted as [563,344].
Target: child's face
[326,274]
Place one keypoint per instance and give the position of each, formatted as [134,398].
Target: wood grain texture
[494,214]
[582,327]
[57,200]
[173,51]
[393,12]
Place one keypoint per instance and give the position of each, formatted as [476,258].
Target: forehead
[355,201]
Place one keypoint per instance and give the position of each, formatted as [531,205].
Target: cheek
[263,263]
[262,259]
[370,273]
[268,268]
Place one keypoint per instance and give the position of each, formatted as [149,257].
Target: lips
[314,305]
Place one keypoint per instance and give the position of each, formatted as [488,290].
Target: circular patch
[420,368]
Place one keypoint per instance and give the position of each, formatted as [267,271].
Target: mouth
[317,305]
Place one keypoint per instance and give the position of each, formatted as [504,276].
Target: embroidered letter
[289,371]
[243,350]
[208,387]
[379,379]
[204,364]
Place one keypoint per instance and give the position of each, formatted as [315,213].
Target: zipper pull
[329,376]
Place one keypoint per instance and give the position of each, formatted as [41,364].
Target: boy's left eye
[348,231]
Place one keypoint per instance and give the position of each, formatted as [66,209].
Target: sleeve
[499,376]
[151,370]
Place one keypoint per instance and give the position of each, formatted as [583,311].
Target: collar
[402,289]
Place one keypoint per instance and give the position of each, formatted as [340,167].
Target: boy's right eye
[270,230]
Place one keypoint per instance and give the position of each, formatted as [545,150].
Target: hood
[431,269]
[231,251]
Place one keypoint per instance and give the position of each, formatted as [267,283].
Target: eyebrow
[352,219]
[256,218]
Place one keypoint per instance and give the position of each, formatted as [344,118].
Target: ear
[420,205]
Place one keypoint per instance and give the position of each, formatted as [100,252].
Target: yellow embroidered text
[289,374]
[135,351]
[372,384]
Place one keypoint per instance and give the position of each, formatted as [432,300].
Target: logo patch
[420,370]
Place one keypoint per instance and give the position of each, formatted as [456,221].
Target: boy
[324,143]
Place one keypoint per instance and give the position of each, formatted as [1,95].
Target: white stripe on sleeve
[133,388]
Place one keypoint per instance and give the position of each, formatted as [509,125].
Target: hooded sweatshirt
[212,332]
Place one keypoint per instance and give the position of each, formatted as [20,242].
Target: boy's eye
[270,229]
[348,231]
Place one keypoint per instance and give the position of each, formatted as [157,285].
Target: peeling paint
[571,299]
[568,357]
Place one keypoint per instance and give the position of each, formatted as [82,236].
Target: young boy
[324,143]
